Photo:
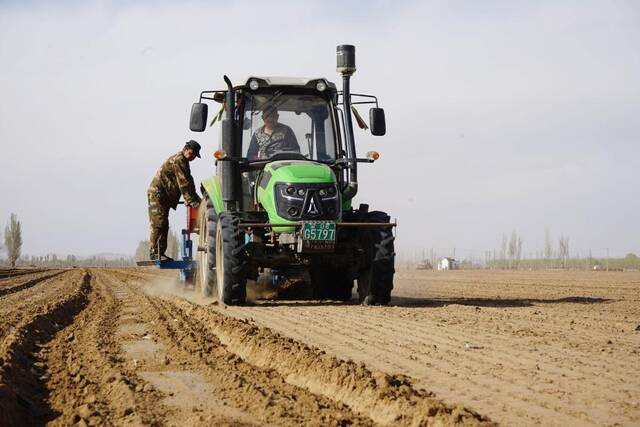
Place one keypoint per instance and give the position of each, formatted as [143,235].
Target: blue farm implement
[186,265]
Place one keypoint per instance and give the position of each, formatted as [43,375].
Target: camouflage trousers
[159,222]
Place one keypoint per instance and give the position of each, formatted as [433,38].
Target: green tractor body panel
[212,186]
[289,172]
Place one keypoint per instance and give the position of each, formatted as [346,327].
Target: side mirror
[377,122]
[198,120]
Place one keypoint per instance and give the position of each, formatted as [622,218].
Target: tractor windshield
[287,126]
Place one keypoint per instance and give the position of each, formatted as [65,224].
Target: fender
[211,186]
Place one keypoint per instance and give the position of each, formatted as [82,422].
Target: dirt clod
[85,411]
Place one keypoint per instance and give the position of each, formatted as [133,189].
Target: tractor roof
[289,81]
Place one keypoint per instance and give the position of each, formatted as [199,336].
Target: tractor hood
[296,190]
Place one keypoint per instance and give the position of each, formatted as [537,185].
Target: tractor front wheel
[231,260]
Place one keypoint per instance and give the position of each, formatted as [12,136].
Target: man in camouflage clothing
[272,138]
[172,179]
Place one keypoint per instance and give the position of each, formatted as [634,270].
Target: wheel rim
[203,257]
[219,264]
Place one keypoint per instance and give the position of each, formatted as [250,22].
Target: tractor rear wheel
[375,280]
[231,260]
[206,266]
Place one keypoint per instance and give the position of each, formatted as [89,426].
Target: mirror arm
[347,161]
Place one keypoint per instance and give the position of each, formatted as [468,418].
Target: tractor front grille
[297,202]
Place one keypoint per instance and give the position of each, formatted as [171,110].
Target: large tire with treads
[375,279]
[205,277]
[231,260]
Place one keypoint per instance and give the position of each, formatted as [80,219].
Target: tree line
[11,246]
[510,255]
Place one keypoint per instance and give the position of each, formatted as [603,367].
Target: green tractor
[281,201]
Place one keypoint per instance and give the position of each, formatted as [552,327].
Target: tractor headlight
[322,192]
[254,85]
[291,190]
[300,191]
[321,86]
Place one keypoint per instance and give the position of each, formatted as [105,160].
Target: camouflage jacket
[172,179]
[265,146]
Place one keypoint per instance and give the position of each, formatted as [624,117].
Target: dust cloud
[171,286]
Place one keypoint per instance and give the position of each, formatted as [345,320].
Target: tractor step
[174,264]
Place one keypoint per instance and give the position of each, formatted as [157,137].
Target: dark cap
[194,146]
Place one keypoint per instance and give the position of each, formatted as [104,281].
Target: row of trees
[12,246]
[510,255]
[537,262]
[511,252]
[68,261]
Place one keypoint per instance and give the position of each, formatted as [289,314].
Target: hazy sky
[500,115]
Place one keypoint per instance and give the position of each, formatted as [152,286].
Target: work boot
[163,257]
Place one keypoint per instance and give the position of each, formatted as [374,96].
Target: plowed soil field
[129,346]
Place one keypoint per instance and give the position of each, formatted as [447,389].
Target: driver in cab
[272,138]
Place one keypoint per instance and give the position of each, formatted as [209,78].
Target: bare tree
[518,251]
[503,251]
[513,249]
[548,248]
[563,250]
[13,239]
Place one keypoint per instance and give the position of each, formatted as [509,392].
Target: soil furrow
[427,332]
[13,288]
[89,382]
[13,273]
[242,389]
[385,398]
[383,352]
[23,392]
[537,370]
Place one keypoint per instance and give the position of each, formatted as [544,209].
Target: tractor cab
[285,124]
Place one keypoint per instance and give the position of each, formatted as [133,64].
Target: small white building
[447,264]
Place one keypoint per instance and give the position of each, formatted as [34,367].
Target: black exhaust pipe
[346,65]
[229,171]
